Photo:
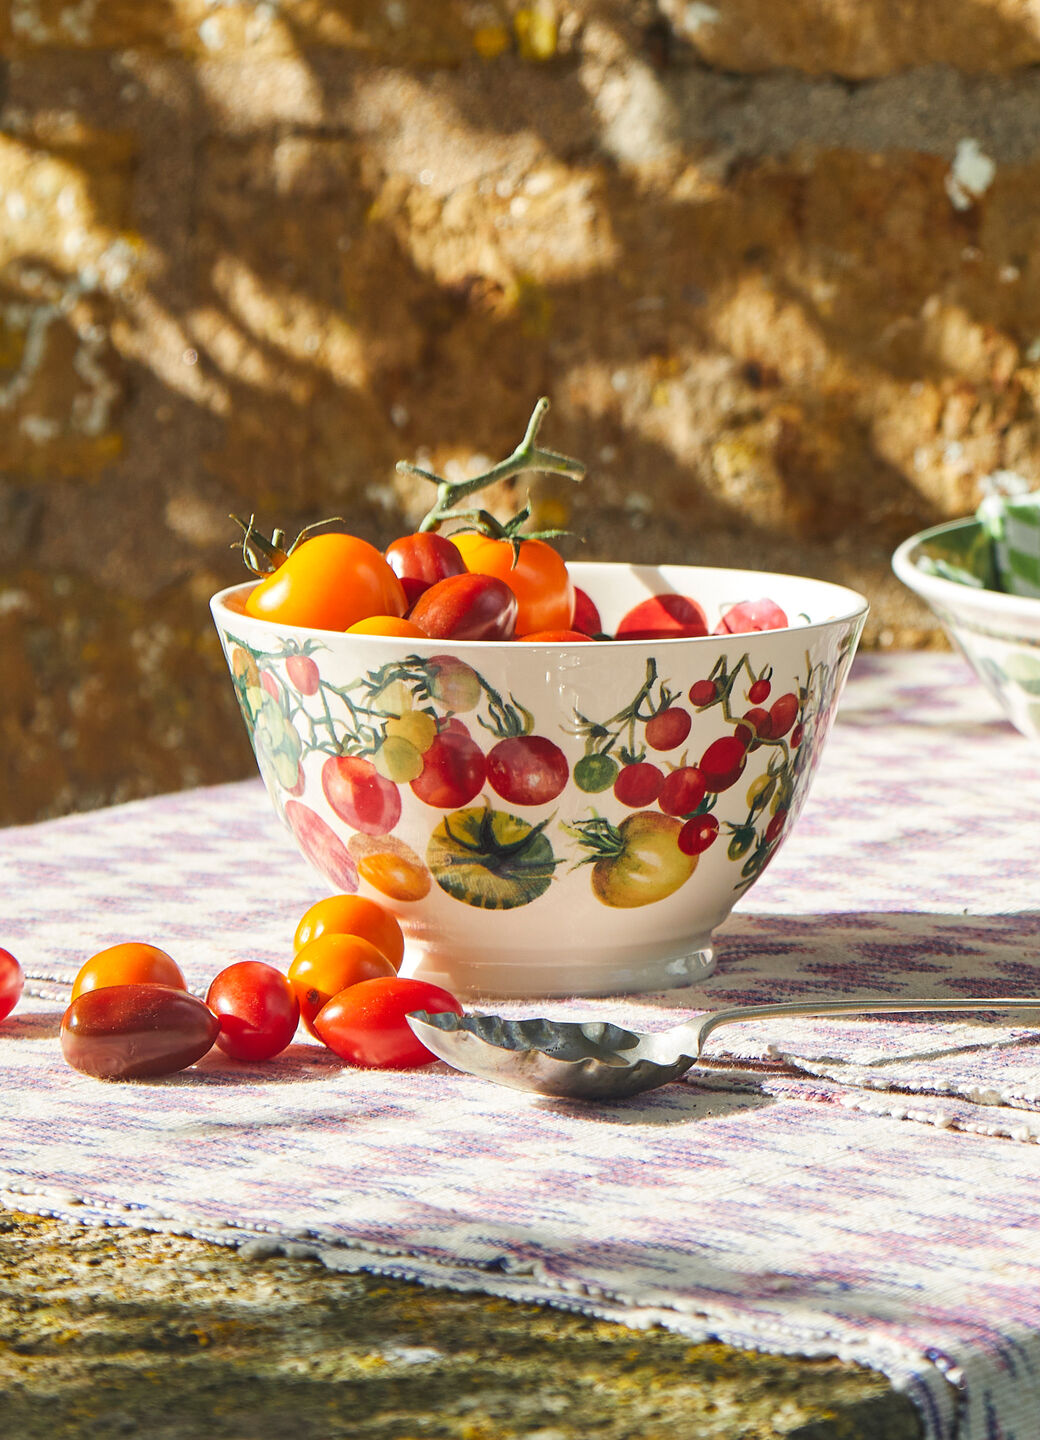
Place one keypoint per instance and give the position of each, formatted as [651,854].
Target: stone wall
[775,264]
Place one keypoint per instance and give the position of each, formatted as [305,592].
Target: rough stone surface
[114,1331]
[774,264]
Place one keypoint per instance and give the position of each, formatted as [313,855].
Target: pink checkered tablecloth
[865,1189]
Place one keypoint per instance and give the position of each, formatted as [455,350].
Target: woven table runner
[864,1189]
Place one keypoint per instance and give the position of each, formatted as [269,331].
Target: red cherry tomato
[420,560]
[331,963]
[755,726]
[467,607]
[703,692]
[663,617]
[527,770]
[366,1024]
[751,615]
[536,574]
[668,728]
[723,762]
[586,616]
[353,915]
[321,845]
[453,773]
[759,691]
[328,582]
[782,714]
[132,963]
[697,834]
[682,791]
[362,797]
[556,637]
[257,1009]
[638,785]
[132,1032]
[11,981]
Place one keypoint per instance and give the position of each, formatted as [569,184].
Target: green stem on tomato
[528,455]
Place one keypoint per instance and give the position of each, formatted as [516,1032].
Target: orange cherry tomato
[387,625]
[353,915]
[332,963]
[539,579]
[555,637]
[329,582]
[132,963]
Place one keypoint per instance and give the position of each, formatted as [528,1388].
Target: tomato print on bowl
[574,818]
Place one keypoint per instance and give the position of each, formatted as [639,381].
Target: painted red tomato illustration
[682,791]
[755,726]
[759,691]
[663,617]
[638,784]
[362,797]
[322,846]
[453,773]
[782,715]
[775,826]
[697,834]
[668,728]
[723,762]
[703,692]
[303,673]
[527,770]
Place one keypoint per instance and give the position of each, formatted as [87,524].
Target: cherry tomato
[390,866]
[759,691]
[755,726]
[132,963]
[11,981]
[668,728]
[453,683]
[663,617]
[321,845]
[703,692]
[586,616]
[556,637]
[751,615]
[366,1024]
[594,773]
[131,1032]
[362,797]
[328,582]
[331,963]
[467,607]
[453,773]
[420,560]
[697,834]
[722,764]
[303,672]
[782,714]
[257,1009]
[638,785]
[649,865]
[775,826]
[387,625]
[527,770]
[353,915]
[536,574]
[682,791]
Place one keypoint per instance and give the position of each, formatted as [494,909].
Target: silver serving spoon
[595,1060]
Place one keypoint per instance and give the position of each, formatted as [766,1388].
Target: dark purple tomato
[420,560]
[527,770]
[467,607]
[134,1032]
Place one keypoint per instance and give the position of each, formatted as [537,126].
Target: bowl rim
[856,608]
[950,593]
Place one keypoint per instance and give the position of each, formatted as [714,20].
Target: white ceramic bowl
[998,634]
[550,820]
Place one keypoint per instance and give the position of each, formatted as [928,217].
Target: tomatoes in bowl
[328,582]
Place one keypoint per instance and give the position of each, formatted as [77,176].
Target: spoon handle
[702,1028]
